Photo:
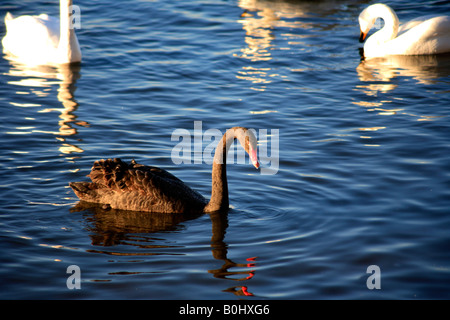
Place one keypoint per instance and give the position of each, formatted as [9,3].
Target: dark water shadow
[110,227]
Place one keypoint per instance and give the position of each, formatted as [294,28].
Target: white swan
[41,40]
[421,36]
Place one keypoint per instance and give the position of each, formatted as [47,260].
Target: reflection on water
[297,24]
[220,252]
[130,233]
[424,69]
[40,80]
[259,20]
[111,227]
[379,75]
[362,181]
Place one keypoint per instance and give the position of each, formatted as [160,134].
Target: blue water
[363,170]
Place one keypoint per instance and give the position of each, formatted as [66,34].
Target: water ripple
[363,156]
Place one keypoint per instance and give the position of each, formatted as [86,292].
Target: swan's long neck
[391,23]
[219,193]
[68,48]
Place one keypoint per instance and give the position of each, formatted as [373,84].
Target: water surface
[364,157]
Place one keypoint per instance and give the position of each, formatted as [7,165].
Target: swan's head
[249,142]
[251,148]
[369,15]
[366,21]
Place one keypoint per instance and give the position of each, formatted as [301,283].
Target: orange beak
[254,157]
[362,36]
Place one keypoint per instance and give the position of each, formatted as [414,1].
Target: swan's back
[138,188]
[31,36]
[413,23]
[425,35]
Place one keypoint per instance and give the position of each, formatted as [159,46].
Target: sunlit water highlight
[364,155]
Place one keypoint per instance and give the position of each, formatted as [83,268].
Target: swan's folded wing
[36,32]
[134,182]
[432,36]
[123,177]
[412,23]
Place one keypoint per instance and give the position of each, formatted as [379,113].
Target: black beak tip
[362,36]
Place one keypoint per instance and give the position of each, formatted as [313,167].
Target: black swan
[137,187]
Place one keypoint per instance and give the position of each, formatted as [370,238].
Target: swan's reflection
[220,252]
[111,228]
[424,69]
[298,26]
[377,76]
[40,80]
[259,19]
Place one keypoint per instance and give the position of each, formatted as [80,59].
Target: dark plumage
[138,187]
